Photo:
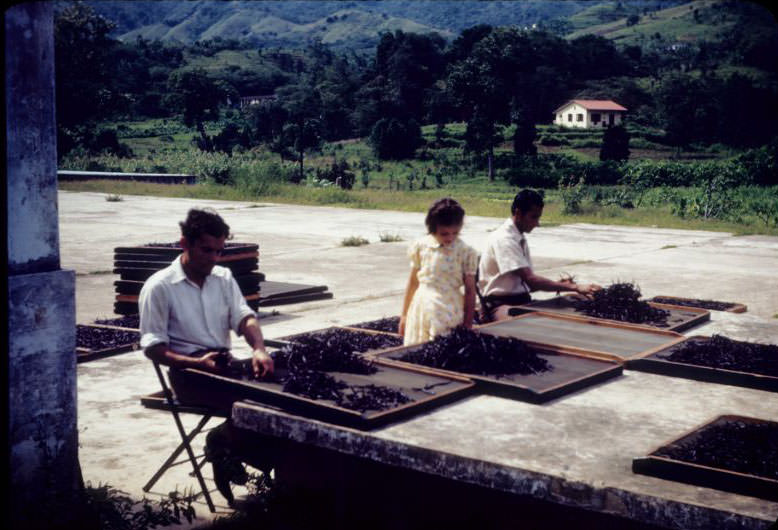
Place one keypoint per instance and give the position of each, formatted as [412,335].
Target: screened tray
[731,307]
[680,319]
[427,389]
[654,364]
[570,373]
[587,337]
[84,354]
[704,475]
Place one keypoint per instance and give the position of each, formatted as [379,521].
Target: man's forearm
[541,283]
[253,334]
[162,354]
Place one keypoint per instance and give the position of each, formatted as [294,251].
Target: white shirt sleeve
[239,309]
[509,256]
[154,310]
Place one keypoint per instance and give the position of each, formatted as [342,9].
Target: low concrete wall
[164,178]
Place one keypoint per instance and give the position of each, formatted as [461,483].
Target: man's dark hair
[525,200]
[205,221]
[444,212]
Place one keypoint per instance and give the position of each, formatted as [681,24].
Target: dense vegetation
[438,112]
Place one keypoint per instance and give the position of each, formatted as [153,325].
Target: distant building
[589,113]
[245,101]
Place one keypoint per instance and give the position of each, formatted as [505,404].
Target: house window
[595,117]
[579,117]
[569,117]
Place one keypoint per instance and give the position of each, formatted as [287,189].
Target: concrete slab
[123,443]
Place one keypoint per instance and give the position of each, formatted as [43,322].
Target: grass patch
[386,237]
[668,246]
[113,197]
[354,241]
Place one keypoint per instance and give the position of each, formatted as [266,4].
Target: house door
[610,118]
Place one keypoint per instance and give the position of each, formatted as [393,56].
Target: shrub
[386,237]
[354,241]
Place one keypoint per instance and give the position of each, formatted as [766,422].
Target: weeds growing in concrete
[354,241]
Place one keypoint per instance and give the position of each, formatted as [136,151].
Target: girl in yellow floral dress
[441,265]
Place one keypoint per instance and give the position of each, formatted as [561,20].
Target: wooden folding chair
[171,404]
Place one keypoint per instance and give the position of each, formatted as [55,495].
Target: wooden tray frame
[331,413]
[736,307]
[703,315]
[593,354]
[512,390]
[705,476]
[652,364]
[367,329]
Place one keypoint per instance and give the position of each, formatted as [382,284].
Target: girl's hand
[401,326]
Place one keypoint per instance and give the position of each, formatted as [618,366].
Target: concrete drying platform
[123,443]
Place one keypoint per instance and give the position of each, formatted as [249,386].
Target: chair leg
[174,455]
[185,439]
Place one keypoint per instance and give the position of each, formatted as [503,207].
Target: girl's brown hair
[444,212]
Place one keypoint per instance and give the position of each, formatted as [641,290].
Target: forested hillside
[699,80]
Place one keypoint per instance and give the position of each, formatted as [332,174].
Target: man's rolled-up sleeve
[509,256]
[239,308]
[153,308]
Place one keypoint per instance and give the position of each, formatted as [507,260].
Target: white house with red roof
[589,113]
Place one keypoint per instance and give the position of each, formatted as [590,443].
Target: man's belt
[495,300]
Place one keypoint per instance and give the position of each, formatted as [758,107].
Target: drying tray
[279,293]
[678,301]
[586,337]
[654,364]
[91,354]
[356,326]
[232,250]
[570,373]
[709,477]
[428,388]
[680,319]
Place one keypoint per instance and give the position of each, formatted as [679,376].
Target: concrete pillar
[42,430]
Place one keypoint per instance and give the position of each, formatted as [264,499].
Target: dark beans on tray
[739,446]
[694,302]
[621,301]
[722,352]
[390,324]
[464,350]
[308,357]
[102,338]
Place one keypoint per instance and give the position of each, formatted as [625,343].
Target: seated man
[506,277]
[186,313]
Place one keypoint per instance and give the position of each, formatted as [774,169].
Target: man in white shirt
[186,313]
[506,276]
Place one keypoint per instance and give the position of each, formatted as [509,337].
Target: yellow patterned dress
[438,303]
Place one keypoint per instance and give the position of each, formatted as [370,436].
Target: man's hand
[261,363]
[587,289]
[215,362]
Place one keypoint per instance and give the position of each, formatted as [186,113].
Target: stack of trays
[134,265]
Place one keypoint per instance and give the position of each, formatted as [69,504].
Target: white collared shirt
[176,311]
[506,252]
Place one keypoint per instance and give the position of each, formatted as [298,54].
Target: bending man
[506,276]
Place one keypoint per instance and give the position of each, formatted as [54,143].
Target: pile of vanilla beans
[722,352]
[305,361]
[95,338]
[621,301]
[471,352]
[389,324]
[744,447]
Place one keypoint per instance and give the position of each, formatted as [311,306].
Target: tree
[197,97]
[393,138]
[615,144]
